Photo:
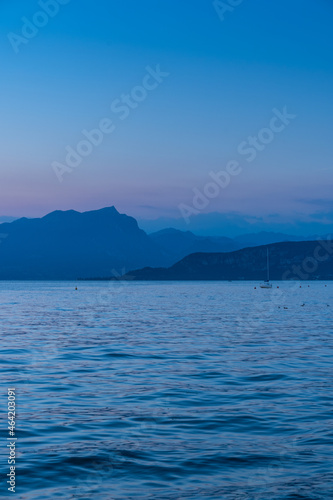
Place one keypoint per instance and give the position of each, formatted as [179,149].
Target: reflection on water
[169,390]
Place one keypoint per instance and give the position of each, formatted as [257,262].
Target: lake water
[168,390]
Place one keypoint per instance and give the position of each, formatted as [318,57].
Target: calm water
[168,390]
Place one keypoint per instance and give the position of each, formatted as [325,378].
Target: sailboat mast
[267,265]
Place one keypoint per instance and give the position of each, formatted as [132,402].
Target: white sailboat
[266,283]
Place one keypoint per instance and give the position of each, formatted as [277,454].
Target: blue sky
[225,78]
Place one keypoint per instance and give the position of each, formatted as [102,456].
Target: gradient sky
[225,79]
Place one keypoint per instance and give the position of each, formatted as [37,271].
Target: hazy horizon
[215,224]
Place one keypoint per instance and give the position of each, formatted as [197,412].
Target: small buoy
[300,287]
[277,287]
[76,288]
[255,287]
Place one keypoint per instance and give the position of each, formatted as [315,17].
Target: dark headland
[306,260]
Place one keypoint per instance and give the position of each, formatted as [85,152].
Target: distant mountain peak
[61,213]
[70,245]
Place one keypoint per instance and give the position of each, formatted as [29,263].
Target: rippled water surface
[168,390]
